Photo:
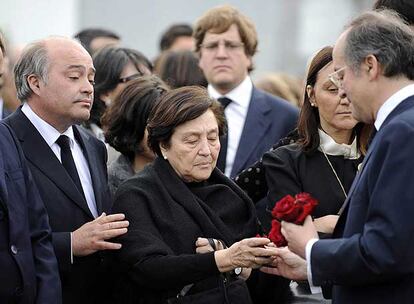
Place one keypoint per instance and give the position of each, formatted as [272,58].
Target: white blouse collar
[330,147]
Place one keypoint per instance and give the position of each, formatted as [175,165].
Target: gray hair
[386,36]
[33,61]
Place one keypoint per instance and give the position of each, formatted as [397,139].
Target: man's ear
[372,67]
[34,83]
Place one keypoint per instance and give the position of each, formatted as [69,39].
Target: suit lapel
[40,155]
[90,155]
[403,106]
[255,126]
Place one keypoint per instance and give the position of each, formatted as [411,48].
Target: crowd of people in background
[130,180]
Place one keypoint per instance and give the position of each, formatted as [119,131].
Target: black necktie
[68,162]
[221,161]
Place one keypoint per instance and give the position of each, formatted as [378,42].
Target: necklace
[336,175]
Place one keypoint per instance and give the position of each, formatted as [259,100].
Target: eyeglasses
[129,78]
[229,46]
[337,77]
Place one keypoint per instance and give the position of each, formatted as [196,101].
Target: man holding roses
[370,259]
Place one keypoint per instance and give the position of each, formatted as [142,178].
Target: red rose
[286,209]
[308,203]
[275,234]
[290,209]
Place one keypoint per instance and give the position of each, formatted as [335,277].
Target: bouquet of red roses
[290,209]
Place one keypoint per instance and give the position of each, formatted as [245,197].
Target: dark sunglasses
[129,78]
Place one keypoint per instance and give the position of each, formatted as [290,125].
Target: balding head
[36,59]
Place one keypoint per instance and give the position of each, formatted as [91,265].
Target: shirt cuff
[71,248]
[314,289]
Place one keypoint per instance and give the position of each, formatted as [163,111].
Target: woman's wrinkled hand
[203,245]
[248,253]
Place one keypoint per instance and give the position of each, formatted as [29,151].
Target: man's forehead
[69,54]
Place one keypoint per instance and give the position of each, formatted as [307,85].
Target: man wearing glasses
[226,42]
[370,259]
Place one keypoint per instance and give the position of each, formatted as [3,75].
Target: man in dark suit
[226,42]
[54,79]
[29,272]
[370,259]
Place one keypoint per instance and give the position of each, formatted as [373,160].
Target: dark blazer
[29,272]
[268,119]
[67,208]
[371,261]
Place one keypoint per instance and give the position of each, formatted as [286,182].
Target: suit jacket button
[18,291]
[13,249]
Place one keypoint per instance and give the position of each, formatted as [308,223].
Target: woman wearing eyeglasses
[115,67]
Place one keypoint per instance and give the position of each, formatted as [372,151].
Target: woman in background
[321,157]
[125,122]
[180,68]
[115,67]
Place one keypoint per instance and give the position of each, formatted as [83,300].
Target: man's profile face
[353,84]
[66,97]
[223,59]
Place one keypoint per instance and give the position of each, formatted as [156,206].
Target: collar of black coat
[210,222]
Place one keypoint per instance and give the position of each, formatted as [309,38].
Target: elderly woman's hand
[248,253]
[203,245]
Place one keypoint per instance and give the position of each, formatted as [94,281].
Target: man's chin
[224,84]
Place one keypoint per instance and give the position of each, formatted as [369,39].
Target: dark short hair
[172,33]
[87,35]
[125,119]
[219,19]
[180,68]
[109,63]
[177,107]
[403,7]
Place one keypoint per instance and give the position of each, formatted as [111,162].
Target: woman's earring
[165,156]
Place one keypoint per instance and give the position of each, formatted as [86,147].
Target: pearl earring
[165,156]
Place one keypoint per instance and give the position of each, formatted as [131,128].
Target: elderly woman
[124,123]
[178,202]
